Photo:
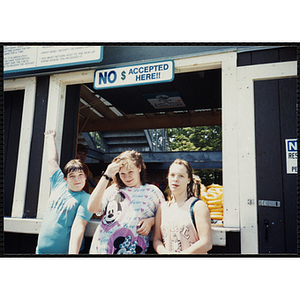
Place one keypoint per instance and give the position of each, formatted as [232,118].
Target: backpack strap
[192,211]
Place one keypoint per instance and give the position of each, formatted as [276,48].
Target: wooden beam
[162,160]
[205,118]
[33,226]
[97,104]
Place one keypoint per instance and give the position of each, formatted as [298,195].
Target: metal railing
[158,140]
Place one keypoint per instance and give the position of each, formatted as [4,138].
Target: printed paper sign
[291,156]
[27,58]
[134,75]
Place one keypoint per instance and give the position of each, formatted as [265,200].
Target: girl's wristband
[106,177]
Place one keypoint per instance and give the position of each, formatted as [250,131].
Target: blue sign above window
[134,75]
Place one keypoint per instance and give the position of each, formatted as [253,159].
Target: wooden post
[54,120]
[29,84]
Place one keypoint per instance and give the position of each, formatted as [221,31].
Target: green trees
[204,138]
[201,138]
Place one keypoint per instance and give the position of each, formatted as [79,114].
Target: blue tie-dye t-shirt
[122,210]
[61,209]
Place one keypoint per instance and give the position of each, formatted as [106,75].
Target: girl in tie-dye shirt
[128,207]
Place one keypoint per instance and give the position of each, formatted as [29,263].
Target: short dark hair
[82,148]
[73,165]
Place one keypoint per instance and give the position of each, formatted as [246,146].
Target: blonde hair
[197,186]
[124,159]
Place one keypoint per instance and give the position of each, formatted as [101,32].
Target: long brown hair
[194,186]
[124,159]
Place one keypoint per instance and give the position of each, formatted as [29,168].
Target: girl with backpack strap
[175,232]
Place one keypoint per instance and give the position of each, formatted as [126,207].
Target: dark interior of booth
[199,97]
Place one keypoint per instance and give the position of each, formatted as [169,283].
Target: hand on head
[112,169]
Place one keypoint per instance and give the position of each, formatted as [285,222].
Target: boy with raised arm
[66,214]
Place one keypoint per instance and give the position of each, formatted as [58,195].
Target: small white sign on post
[134,75]
[291,149]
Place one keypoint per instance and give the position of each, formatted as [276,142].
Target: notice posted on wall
[291,149]
[23,58]
[148,73]
[165,100]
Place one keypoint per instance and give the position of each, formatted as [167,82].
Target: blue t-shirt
[61,209]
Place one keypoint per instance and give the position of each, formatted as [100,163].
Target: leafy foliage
[204,138]
[98,142]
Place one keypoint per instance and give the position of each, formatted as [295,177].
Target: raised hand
[50,132]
